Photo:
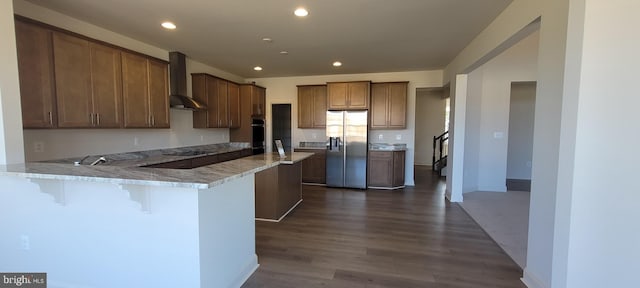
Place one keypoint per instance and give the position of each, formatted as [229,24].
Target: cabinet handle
[98,119]
[153,121]
[91,118]
[50,118]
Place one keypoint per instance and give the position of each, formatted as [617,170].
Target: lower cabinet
[278,190]
[314,169]
[386,169]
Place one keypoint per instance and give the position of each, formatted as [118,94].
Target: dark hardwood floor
[374,238]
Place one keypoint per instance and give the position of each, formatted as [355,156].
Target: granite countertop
[129,170]
[312,145]
[387,147]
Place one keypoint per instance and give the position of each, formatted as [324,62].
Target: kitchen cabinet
[233,94]
[258,100]
[222,98]
[88,83]
[312,106]
[386,169]
[145,92]
[252,105]
[35,69]
[314,169]
[277,191]
[348,95]
[388,105]
[72,65]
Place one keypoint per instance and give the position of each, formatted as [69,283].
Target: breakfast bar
[120,224]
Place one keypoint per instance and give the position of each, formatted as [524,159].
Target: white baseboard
[251,267]
[531,281]
[497,188]
[282,217]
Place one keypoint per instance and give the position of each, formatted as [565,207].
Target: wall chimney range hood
[178,98]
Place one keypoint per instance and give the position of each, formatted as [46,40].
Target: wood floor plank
[374,239]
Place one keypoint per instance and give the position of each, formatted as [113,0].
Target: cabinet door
[233,95]
[158,94]
[258,100]
[106,86]
[135,91]
[337,96]
[73,81]
[305,105]
[398,168]
[397,105]
[199,88]
[380,169]
[379,105]
[319,107]
[358,95]
[223,103]
[35,70]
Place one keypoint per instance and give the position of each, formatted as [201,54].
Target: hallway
[373,238]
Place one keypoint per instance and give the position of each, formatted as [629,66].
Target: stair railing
[439,162]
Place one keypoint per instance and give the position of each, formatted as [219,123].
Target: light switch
[498,135]
[399,137]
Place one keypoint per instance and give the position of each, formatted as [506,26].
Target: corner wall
[487,122]
[11,143]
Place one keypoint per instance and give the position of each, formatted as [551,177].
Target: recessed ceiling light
[168,25]
[301,12]
[257,68]
[284,52]
[337,64]
[267,39]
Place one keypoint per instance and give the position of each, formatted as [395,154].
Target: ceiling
[365,35]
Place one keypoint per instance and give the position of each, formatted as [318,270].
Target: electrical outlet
[136,141]
[380,137]
[25,243]
[399,137]
[529,164]
[201,138]
[314,135]
[38,147]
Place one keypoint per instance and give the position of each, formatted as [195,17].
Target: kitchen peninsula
[120,224]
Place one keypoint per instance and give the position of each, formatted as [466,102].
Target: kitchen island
[123,225]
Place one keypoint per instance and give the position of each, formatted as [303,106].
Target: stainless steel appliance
[347,149]
[257,133]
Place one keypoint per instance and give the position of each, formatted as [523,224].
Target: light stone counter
[129,172]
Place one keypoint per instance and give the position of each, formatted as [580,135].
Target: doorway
[281,124]
[520,146]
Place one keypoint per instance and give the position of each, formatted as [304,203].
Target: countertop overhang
[204,177]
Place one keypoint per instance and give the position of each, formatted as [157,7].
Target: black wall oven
[257,127]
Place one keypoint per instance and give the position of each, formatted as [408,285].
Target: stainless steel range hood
[178,84]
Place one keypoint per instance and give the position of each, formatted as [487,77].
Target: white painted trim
[280,219]
[531,280]
[314,184]
[385,188]
[493,188]
[248,270]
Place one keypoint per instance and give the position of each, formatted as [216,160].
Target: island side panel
[227,233]
[90,234]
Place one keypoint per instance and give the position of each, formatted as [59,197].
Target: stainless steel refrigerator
[347,149]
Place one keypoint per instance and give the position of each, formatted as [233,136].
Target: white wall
[11,143]
[60,143]
[283,90]
[507,28]
[595,244]
[521,116]
[488,114]
[430,113]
